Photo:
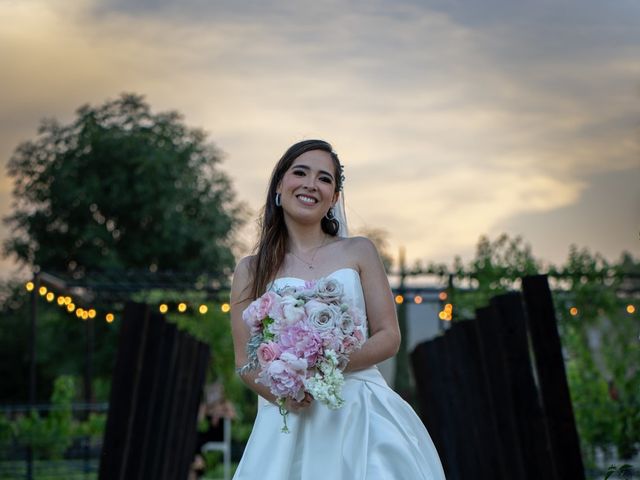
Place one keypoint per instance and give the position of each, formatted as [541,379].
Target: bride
[375,434]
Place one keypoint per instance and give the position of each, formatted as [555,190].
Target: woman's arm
[240,299]
[384,339]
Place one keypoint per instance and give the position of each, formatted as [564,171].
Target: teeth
[306,199]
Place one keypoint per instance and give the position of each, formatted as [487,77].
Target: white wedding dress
[375,435]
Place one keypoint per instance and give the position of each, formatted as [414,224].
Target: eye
[326,179]
[299,173]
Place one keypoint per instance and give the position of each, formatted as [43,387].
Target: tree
[121,187]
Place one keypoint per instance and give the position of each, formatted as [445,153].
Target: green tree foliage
[118,188]
[121,187]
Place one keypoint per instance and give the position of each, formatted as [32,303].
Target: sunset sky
[454,119]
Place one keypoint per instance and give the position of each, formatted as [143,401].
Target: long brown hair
[272,245]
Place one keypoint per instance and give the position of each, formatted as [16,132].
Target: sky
[453,119]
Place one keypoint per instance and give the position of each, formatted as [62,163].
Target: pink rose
[270,305]
[268,352]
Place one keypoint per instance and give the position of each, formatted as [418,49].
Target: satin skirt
[374,435]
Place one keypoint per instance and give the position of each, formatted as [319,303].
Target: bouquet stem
[284,412]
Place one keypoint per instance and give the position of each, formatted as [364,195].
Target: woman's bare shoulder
[360,246]
[242,277]
[245,265]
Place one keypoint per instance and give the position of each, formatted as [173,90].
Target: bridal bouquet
[301,339]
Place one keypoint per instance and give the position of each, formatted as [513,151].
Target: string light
[203,309]
[109,317]
[447,313]
[42,290]
[50,297]
[631,309]
[442,296]
[29,286]
[573,311]
[225,307]
[417,299]
[163,308]
[71,307]
[182,307]
[399,299]
[92,313]
[61,301]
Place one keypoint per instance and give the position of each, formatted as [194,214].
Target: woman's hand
[292,405]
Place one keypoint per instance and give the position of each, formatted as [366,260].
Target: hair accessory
[341,176]
[278,200]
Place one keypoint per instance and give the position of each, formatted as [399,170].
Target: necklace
[309,264]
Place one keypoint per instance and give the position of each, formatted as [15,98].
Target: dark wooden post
[425,367]
[430,369]
[457,457]
[530,421]
[552,378]
[464,399]
[156,390]
[481,417]
[490,340]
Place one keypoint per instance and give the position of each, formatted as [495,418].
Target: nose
[310,184]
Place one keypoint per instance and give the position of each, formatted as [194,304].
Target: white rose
[329,289]
[321,316]
[347,325]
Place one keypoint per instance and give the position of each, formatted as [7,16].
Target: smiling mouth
[306,199]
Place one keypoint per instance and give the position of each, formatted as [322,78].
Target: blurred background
[481,142]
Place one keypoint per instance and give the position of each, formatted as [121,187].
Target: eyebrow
[305,167]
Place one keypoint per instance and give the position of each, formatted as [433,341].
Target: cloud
[450,119]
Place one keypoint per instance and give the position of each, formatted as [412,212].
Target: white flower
[329,289]
[293,309]
[321,316]
[326,385]
[347,325]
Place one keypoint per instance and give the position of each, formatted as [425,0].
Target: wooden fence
[155,393]
[493,392]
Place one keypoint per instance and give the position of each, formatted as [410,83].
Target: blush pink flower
[251,316]
[270,305]
[285,376]
[301,340]
[268,352]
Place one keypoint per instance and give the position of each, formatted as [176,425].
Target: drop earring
[330,215]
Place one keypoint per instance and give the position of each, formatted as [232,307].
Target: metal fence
[35,444]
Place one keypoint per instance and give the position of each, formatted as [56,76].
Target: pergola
[100,294]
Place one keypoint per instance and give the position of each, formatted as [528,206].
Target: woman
[375,434]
